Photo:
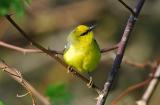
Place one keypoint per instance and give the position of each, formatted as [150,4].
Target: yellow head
[81,35]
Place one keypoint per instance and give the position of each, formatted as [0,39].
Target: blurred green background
[49,22]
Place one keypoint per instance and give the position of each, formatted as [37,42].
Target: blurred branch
[104,50]
[16,75]
[121,49]
[52,54]
[24,50]
[75,13]
[152,65]
[139,65]
[151,87]
[130,89]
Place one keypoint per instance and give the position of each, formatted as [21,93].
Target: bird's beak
[89,30]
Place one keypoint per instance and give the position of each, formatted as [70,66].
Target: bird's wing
[96,44]
[66,47]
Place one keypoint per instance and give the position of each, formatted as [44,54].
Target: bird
[82,51]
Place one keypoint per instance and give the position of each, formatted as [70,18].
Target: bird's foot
[90,84]
[69,69]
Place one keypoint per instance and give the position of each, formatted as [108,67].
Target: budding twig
[16,75]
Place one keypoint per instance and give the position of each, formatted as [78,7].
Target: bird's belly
[84,60]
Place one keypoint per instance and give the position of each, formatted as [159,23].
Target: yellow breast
[84,59]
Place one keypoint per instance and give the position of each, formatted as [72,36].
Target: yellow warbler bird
[82,51]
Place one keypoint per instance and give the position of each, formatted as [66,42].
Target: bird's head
[81,34]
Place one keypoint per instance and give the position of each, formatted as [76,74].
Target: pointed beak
[89,30]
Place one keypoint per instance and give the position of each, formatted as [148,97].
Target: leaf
[1,103]
[15,5]
[27,2]
[4,6]
[59,94]
[18,7]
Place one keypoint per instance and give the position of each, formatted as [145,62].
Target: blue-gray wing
[66,47]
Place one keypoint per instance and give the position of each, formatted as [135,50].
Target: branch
[139,65]
[121,49]
[24,50]
[16,75]
[152,65]
[151,88]
[130,89]
[104,50]
[127,7]
[52,54]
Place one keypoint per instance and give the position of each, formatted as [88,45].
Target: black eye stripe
[86,32]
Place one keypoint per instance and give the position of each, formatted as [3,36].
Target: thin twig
[138,65]
[24,50]
[52,54]
[151,88]
[15,72]
[22,95]
[121,49]
[130,89]
[152,65]
[127,7]
[104,50]
[16,75]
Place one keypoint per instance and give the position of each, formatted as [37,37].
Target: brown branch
[121,49]
[52,54]
[127,7]
[130,89]
[139,65]
[152,65]
[151,87]
[24,50]
[104,50]
[16,75]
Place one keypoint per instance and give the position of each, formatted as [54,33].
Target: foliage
[59,94]
[15,6]
[1,103]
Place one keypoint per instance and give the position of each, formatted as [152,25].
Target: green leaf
[27,2]
[16,6]
[1,103]
[59,94]
[4,6]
